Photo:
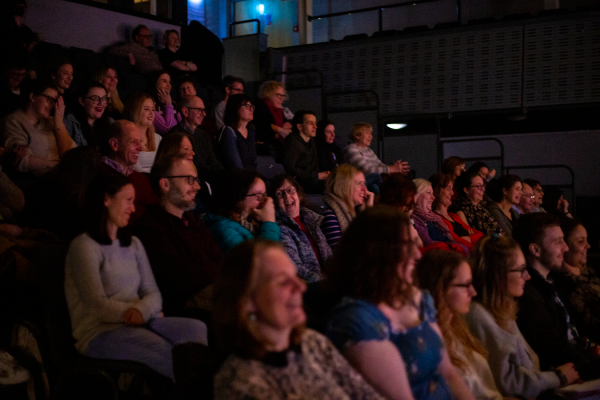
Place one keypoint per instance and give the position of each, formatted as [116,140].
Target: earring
[252,316]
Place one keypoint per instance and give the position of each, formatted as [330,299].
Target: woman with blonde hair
[170,56]
[345,194]
[107,75]
[269,119]
[140,109]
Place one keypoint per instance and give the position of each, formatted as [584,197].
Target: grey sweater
[515,366]
[102,282]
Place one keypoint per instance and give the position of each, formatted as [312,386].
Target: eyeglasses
[249,106]
[200,110]
[190,179]
[259,196]
[522,271]
[51,100]
[463,285]
[531,197]
[281,96]
[98,99]
[480,186]
[145,36]
[290,191]
[237,90]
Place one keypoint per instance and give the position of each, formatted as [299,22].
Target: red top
[312,243]
[475,236]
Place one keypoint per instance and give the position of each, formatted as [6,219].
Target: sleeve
[150,302]
[330,226]
[218,114]
[292,154]
[290,246]
[71,130]
[421,228]
[269,230]
[226,236]
[356,322]
[165,121]
[354,157]
[429,306]
[228,145]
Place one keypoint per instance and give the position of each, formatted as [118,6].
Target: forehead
[476,180]
[359,177]
[197,102]
[184,167]
[279,90]
[65,68]
[309,118]
[148,103]
[174,35]
[144,31]
[131,132]
[463,271]
[527,188]
[286,184]
[186,84]
[96,91]
[50,92]
[273,262]
[238,85]
[185,141]
[553,233]
[329,127]
[164,77]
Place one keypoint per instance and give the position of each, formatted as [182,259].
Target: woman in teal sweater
[241,210]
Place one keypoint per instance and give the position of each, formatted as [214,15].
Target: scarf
[277,113]
[339,208]
[433,218]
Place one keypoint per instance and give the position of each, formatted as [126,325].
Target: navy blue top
[236,151]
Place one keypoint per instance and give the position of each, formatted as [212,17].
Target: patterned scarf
[433,218]
[339,208]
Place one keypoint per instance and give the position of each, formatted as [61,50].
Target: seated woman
[164,115]
[62,76]
[259,321]
[505,193]
[170,58]
[107,76]
[499,276]
[140,110]
[577,283]
[35,140]
[113,300]
[236,143]
[271,125]
[360,155]
[447,276]
[176,144]
[330,154]
[467,205]
[554,203]
[462,233]
[345,194]
[482,170]
[88,117]
[431,228]
[241,210]
[384,325]
[301,233]
[453,166]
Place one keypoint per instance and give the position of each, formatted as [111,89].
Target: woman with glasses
[505,192]
[499,276]
[241,210]
[35,137]
[447,276]
[140,109]
[467,205]
[236,142]
[89,118]
[271,124]
[164,115]
[107,75]
[301,234]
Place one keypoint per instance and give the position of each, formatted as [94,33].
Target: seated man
[538,192]
[140,52]
[205,160]
[120,150]
[526,203]
[300,158]
[543,318]
[182,252]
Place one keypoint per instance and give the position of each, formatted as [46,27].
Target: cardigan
[229,233]
[505,224]
[365,160]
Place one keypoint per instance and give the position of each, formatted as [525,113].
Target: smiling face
[425,199]
[359,189]
[120,206]
[130,146]
[186,88]
[578,247]
[41,104]
[186,149]
[147,116]
[246,112]
[446,194]
[110,80]
[365,138]
[63,76]
[278,97]
[553,248]
[195,115]
[475,190]
[513,195]
[144,38]
[527,198]
[93,110]
[458,298]
[180,193]
[517,274]
[164,83]
[329,133]
[290,203]
[251,202]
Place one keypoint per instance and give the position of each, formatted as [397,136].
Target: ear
[164,184]
[299,127]
[535,250]
[32,97]
[185,111]
[228,90]
[80,100]
[249,306]
[114,144]
[106,201]
[466,190]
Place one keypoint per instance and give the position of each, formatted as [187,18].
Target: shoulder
[427,304]
[354,321]
[478,315]
[310,217]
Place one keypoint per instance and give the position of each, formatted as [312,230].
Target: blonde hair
[267,88]
[421,184]
[133,112]
[166,36]
[357,131]
[115,101]
[341,184]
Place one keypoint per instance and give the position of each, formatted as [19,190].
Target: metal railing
[500,158]
[244,22]
[306,72]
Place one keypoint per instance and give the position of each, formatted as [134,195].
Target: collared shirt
[572,333]
[514,207]
[116,166]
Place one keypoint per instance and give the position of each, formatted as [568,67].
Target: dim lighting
[396,126]
[260,8]
[196,2]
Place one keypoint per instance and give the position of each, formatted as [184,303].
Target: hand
[370,199]
[564,204]
[10,230]
[164,97]
[180,65]
[133,316]
[266,212]
[491,174]
[323,175]
[131,59]
[569,371]
[284,132]
[403,166]
[59,111]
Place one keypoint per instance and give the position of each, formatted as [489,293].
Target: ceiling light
[396,126]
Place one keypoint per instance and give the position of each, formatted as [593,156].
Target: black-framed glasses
[51,100]
[249,106]
[190,179]
[479,186]
[200,110]
[522,271]
[237,90]
[463,285]
[259,196]
[98,99]
[281,96]
[290,191]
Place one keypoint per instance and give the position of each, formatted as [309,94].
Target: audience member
[170,58]
[164,116]
[554,203]
[527,198]
[454,166]
[538,193]
[241,210]
[107,75]
[345,193]
[384,325]
[140,53]
[499,276]
[236,143]
[482,170]
[577,283]
[330,155]
[232,85]
[34,139]
[120,150]
[140,109]
[300,227]
[543,317]
[17,38]
[505,193]
[113,300]
[259,322]
[461,232]
[187,86]
[430,226]
[447,276]
[88,117]
[62,76]
[12,95]
[271,125]
[175,144]
[193,112]
[300,157]
[470,188]
[182,252]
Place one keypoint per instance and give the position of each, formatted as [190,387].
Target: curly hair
[267,88]
[357,131]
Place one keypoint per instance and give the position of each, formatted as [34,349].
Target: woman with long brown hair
[140,109]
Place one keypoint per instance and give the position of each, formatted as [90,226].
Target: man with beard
[181,250]
[542,316]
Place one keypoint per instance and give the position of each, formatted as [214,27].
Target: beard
[175,196]
[549,261]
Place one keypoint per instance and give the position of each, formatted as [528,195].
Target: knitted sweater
[365,159]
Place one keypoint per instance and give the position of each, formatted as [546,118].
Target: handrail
[376,8]
[243,22]
[307,71]
[500,157]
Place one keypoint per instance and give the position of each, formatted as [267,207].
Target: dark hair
[568,225]
[107,183]
[550,201]
[161,169]
[299,119]
[115,130]
[89,85]
[532,182]
[229,80]
[187,78]
[59,63]
[321,125]
[102,124]
[438,181]
[365,262]
[531,228]
[464,181]
[170,144]
[476,166]
[397,190]
[36,88]
[77,167]
[279,180]
[231,190]
[235,102]
[496,187]
[153,80]
[136,31]
[451,163]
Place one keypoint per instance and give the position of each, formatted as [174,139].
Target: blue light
[260,8]
[195,1]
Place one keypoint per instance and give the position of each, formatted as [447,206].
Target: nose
[527,276]
[301,286]
[472,291]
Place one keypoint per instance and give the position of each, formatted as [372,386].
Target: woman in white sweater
[499,276]
[113,299]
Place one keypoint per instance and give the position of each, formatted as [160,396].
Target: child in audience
[164,115]
[107,75]
[140,109]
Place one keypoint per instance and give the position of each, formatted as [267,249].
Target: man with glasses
[232,85]
[538,192]
[205,160]
[527,199]
[181,250]
[140,52]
